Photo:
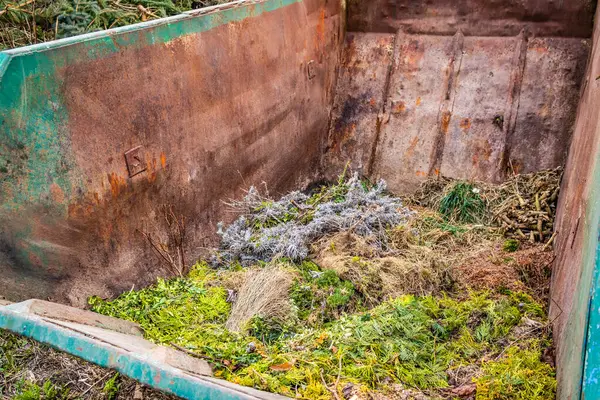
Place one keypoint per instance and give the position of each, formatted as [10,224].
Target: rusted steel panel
[548,103]
[359,101]
[464,107]
[409,132]
[577,223]
[475,141]
[571,18]
[218,102]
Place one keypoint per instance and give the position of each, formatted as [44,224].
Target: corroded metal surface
[576,270]
[474,141]
[548,103]
[462,106]
[360,96]
[218,102]
[410,128]
[570,18]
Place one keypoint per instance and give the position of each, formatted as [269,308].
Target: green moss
[511,245]
[518,375]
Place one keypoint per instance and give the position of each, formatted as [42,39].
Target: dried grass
[381,276]
[264,293]
[430,255]
[523,207]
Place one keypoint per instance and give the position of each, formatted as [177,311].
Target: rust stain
[517,166]
[151,169]
[163,160]
[446,117]
[320,39]
[465,125]
[399,108]
[34,259]
[116,184]
[421,173]
[57,194]
[418,102]
[483,152]
[414,54]
[411,148]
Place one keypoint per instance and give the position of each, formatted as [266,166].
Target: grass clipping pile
[346,292]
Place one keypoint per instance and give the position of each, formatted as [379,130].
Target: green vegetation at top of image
[413,341]
[463,203]
[34,21]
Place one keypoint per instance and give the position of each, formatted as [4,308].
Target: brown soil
[527,270]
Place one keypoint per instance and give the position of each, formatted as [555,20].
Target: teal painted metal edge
[161,377]
[217,15]
[590,381]
[4,61]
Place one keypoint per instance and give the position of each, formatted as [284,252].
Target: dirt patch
[526,270]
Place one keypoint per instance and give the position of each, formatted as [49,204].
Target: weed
[462,203]
[186,312]
[111,387]
[321,296]
[48,391]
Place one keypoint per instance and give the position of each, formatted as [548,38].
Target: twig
[333,392]
[17,7]
[97,382]
[161,253]
[524,334]
[337,381]
[186,351]
[549,242]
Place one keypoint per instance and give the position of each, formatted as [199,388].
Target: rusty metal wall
[217,100]
[576,268]
[413,105]
[568,18]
